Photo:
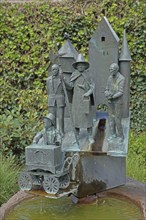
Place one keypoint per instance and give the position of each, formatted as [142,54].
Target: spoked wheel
[51,184]
[25,181]
[64,181]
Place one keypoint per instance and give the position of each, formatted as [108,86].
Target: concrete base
[97,173]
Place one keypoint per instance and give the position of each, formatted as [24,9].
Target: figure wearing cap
[49,135]
[80,83]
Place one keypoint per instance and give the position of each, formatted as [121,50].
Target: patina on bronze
[56,97]
[114,92]
[80,83]
[90,155]
[49,135]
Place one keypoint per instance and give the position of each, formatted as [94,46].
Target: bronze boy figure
[49,135]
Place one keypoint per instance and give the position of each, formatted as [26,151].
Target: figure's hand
[106,93]
[86,94]
[81,86]
[109,101]
[110,97]
[115,96]
[62,77]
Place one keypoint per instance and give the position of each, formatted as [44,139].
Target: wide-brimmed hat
[51,117]
[80,59]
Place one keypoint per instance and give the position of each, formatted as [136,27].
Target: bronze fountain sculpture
[82,147]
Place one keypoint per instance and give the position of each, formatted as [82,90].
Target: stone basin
[133,190]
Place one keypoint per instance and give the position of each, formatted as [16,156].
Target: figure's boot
[61,127]
[120,134]
[77,130]
[112,127]
[61,121]
[90,137]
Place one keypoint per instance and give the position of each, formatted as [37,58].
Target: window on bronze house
[102,38]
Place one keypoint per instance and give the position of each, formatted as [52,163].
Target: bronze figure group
[82,87]
[79,135]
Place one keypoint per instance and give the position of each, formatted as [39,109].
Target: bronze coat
[81,106]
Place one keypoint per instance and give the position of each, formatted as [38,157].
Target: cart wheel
[51,184]
[64,181]
[25,181]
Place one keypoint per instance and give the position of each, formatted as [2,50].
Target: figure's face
[55,70]
[113,70]
[47,123]
[81,67]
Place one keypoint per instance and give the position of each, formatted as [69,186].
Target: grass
[8,177]
[136,159]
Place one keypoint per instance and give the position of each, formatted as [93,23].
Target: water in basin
[41,208]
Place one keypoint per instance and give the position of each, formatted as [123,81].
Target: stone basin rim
[122,192]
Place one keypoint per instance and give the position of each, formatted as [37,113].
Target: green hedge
[27,34]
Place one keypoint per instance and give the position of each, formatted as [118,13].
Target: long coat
[81,106]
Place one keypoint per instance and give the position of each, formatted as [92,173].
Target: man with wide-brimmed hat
[80,82]
[49,135]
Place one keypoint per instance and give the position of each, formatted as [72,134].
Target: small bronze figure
[56,98]
[49,135]
[82,87]
[114,93]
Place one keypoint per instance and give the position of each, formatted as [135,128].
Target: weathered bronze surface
[49,135]
[82,87]
[114,93]
[83,145]
[56,97]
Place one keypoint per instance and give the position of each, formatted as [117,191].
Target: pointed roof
[125,53]
[104,20]
[68,50]
[103,27]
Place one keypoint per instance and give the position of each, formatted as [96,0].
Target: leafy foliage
[28,32]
